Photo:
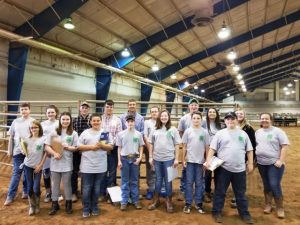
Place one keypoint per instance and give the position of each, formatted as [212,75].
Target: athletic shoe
[187,209]
[199,208]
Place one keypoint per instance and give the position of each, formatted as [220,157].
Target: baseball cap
[85,103]
[230,115]
[193,100]
[130,117]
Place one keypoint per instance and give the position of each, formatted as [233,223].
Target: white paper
[172,173]
[215,162]
[115,193]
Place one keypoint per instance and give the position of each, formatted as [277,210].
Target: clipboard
[56,144]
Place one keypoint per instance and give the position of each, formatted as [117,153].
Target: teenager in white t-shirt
[271,149]
[18,129]
[33,164]
[93,144]
[49,126]
[61,164]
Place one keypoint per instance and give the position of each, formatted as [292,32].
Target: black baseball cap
[130,117]
[231,115]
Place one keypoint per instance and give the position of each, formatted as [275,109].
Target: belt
[131,156]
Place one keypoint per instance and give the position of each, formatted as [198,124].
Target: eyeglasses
[34,128]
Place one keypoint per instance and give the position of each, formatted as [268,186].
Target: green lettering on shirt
[69,140]
[241,138]
[269,136]
[39,148]
[135,139]
[201,138]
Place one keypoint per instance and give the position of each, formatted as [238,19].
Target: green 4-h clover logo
[269,136]
[69,140]
[201,138]
[169,134]
[241,139]
[39,148]
[135,139]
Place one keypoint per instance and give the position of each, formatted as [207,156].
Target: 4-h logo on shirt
[135,139]
[201,138]
[241,138]
[69,140]
[39,148]
[269,137]
[169,134]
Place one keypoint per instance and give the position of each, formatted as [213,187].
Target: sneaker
[95,213]
[137,205]
[187,209]
[60,198]
[233,203]
[123,207]
[47,198]
[149,195]
[74,198]
[86,214]
[248,219]
[8,201]
[199,208]
[24,195]
[217,218]
[180,196]
[207,197]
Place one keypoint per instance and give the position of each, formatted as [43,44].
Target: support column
[277,91]
[297,90]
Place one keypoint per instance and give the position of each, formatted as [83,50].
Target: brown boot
[170,208]
[268,202]
[279,207]
[155,202]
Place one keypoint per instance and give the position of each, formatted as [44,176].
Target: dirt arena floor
[17,213]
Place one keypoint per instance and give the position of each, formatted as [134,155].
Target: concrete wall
[4,45]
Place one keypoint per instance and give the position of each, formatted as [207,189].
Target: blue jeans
[183,180]
[90,191]
[16,176]
[33,181]
[130,179]
[238,182]
[271,177]
[162,175]
[194,174]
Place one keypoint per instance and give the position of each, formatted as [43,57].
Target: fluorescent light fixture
[125,52]
[239,76]
[155,67]
[68,24]
[202,90]
[236,68]
[173,76]
[231,55]
[224,32]
[195,87]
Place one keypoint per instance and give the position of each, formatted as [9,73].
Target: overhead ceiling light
[173,76]
[285,88]
[236,68]
[125,52]
[241,82]
[295,80]
[68,24]
[287,93]
[224,32]
[155,67]
[290,85]
[243,86]
[186,83]
[239,76]
[228,95]
[202,90]
[244,90]
[231,55]
[195,87]
[293,92]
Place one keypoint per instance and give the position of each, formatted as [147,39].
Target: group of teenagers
[94,146]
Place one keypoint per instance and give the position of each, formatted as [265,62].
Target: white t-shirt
[164,142]
[48,128]
[269,143]
[93,161]
[36,148]
[65,163]
[196,140]
[231,146]
[129,141]
[19,129]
